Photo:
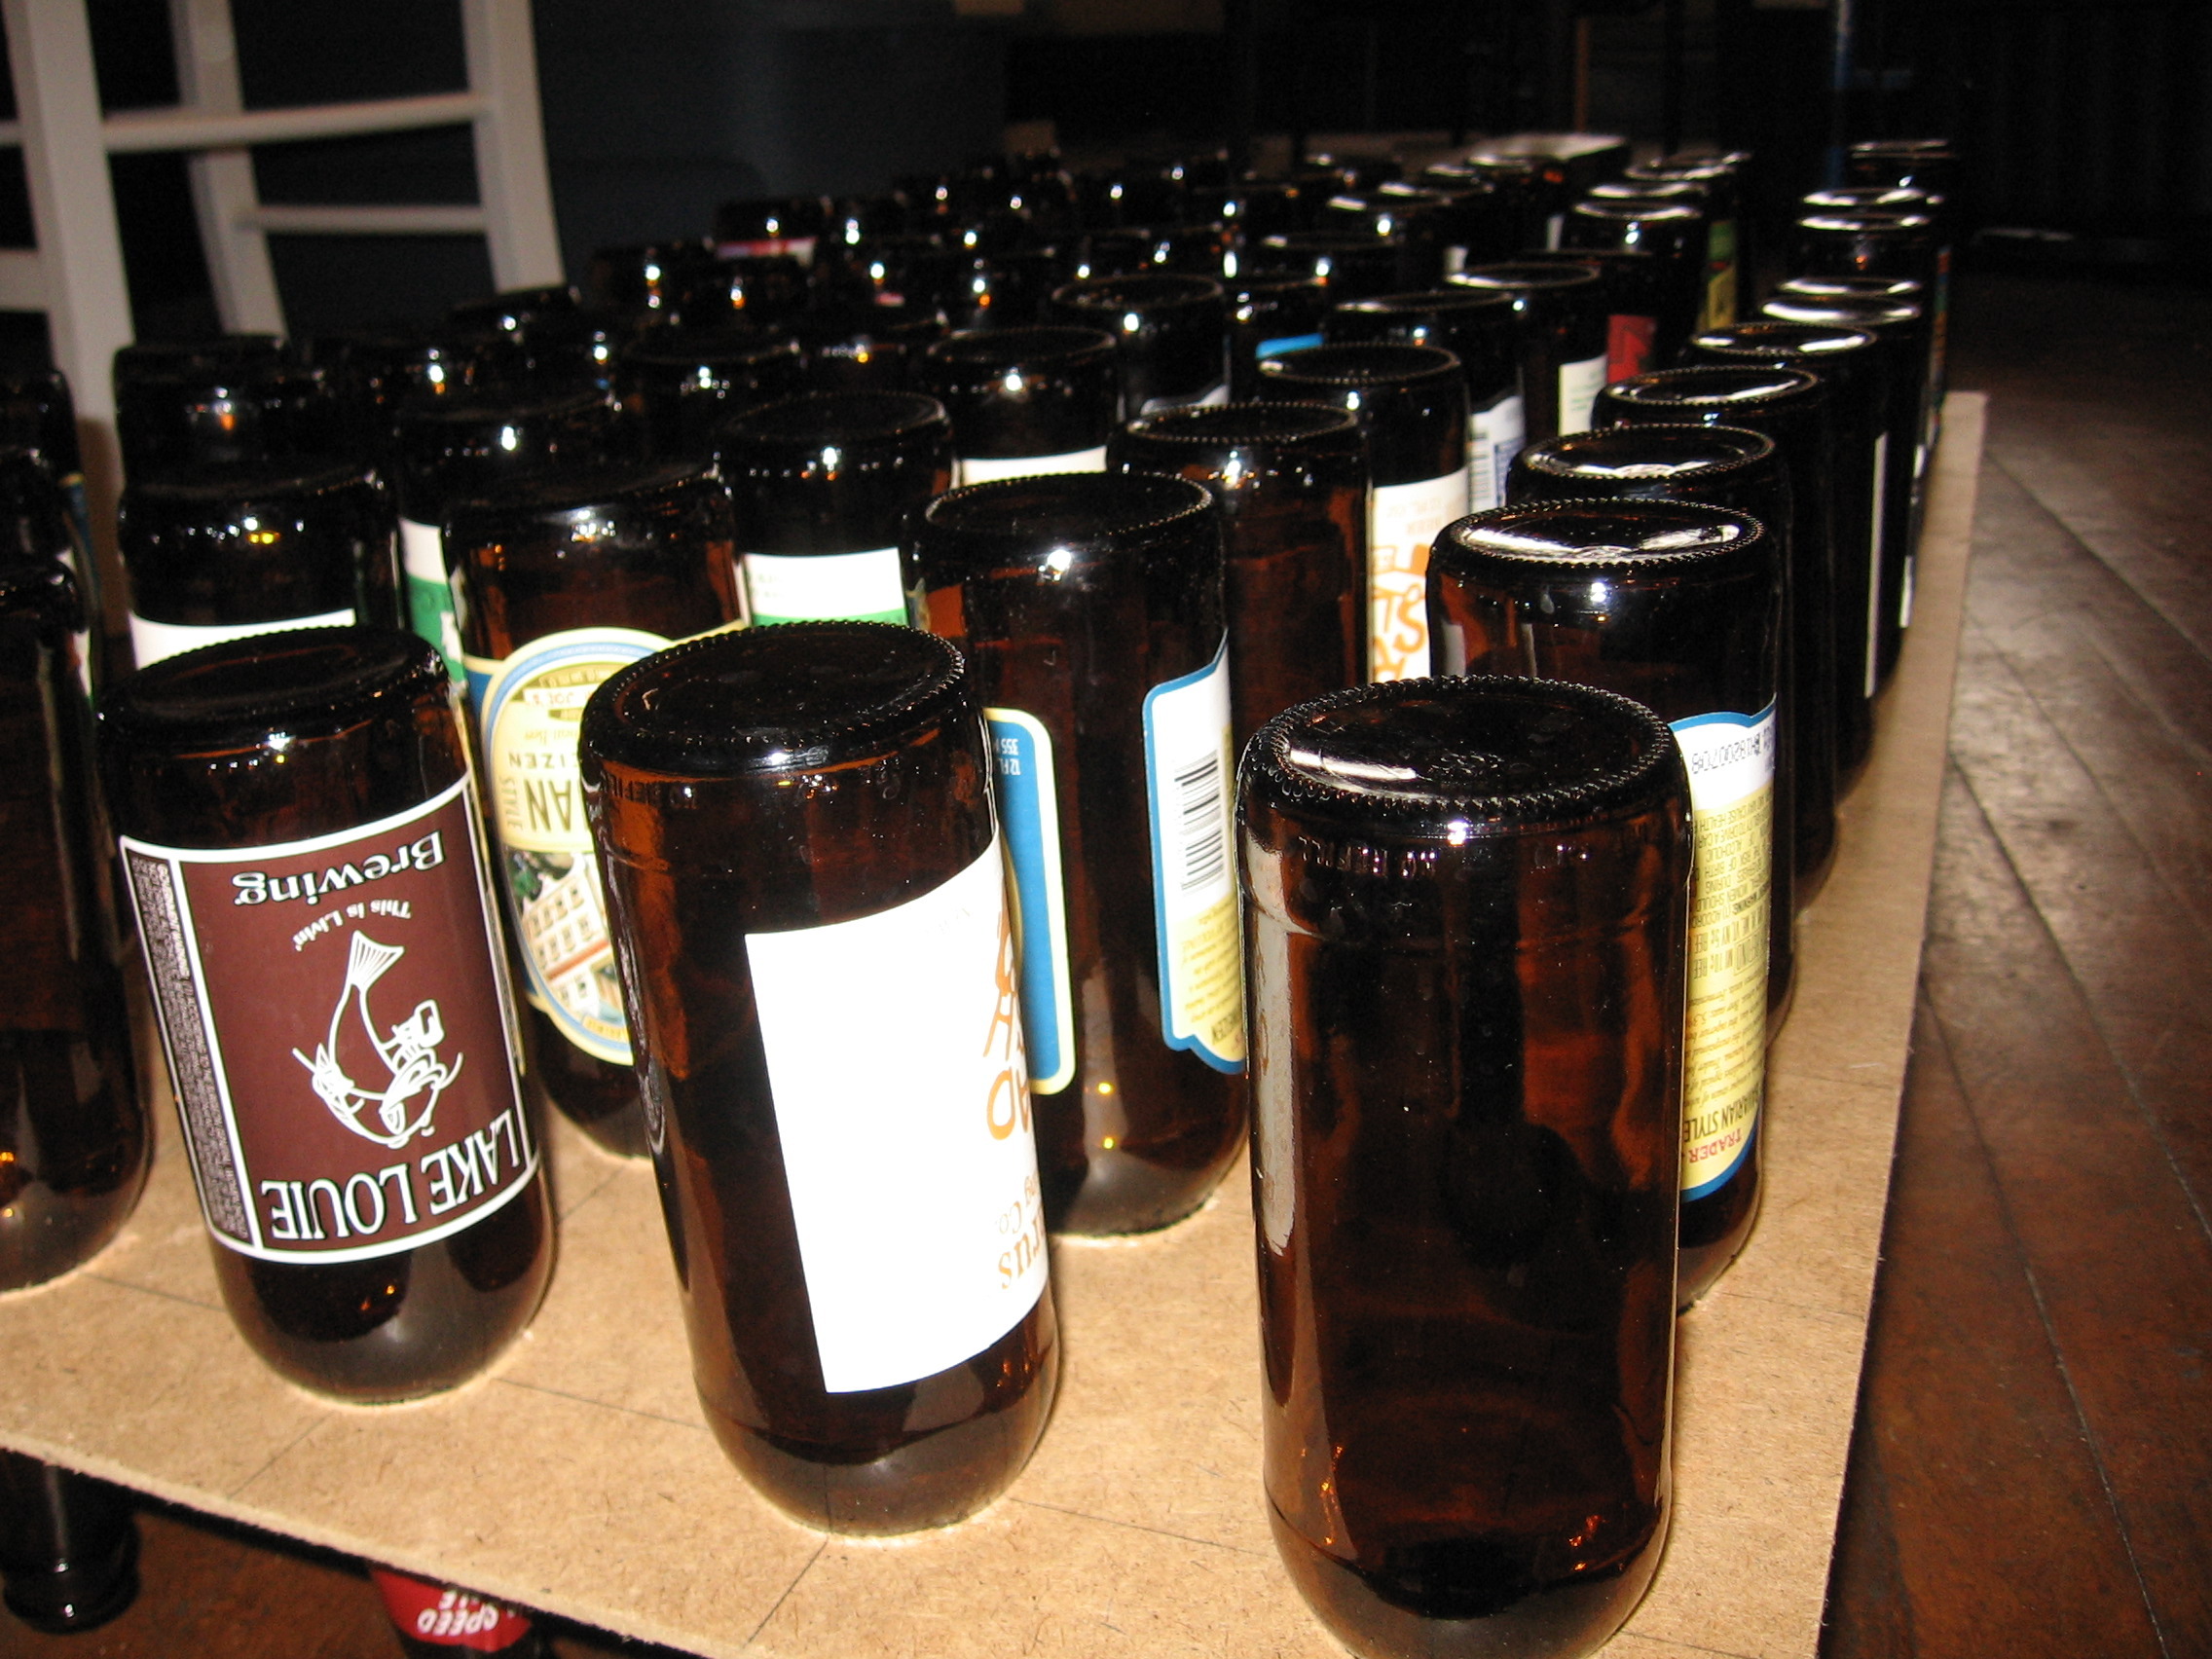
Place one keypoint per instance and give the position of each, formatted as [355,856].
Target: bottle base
[1383,1619]
[1117,1193]
[932,1481]
[79,1596]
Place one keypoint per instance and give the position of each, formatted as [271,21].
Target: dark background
[2085,124]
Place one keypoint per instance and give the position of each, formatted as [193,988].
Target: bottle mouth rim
[811,421]
[1680,388]
[1296,780]
[976,358]
[1150,505]
[344,674]
[1286,424]
[606,486]
[1812,338]
[1756,448]
[718,743]
[249,484]
[1707,539]
[1141,292]
[1394,366]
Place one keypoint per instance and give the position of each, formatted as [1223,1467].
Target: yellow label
[1725,1067]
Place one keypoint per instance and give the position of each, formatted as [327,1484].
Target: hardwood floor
[2032,1469]
[2031,1472]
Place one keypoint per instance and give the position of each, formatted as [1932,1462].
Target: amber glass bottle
[237,399]
[822,483]
[74,1140]
[1466,911]
[225,554]
[451,448]
[1347,264]
[1723,466]
[1678,606]
[1871,243]
[1268,315]
[795,826]
[68,1546]
[1089,605]
[875,347]
[301,833]
[1791,407]
[1481,329]
[37,414]
[1565,326]
[1173,331]
[1412,404]
[38,527]
[1853,366]
[1025,401]
[562,582]
[1290,481]
[678,386]
[1655,264]
[1899,321]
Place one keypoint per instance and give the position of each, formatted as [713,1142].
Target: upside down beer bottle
[807,886]
[1565,339]
[1025,401]
[74,1140]
[1089,608]
[822,484]
[565,580]
[451,448]
[1290,481]
[1412,404]
[1483,331]
[1465,907]
[1678,605]
[225,554]
[1723,466]
[1791,407]
[299,828]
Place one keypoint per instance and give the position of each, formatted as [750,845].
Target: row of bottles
[738,897]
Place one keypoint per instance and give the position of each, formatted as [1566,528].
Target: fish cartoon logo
[408,1052]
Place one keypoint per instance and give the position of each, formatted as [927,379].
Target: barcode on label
[1205,848]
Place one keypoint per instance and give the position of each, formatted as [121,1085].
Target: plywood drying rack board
[580,1478]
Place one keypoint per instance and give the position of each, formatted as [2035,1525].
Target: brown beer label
[337,1019]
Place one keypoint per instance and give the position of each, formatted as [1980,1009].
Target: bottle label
[1731,766]
[1191,775]
[1283,342]
[982,469]
[1628,345]
[1029,818]
[1494,436]
[824,587]
[1579,384]
[909,1155]
[1402,520]
[335,1017]
[151,640]
[530,709]
[1719,275]
[1876,526]
[445,1617]
[430,609]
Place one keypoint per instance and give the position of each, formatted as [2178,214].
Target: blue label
[1277,347]
[1029,820]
